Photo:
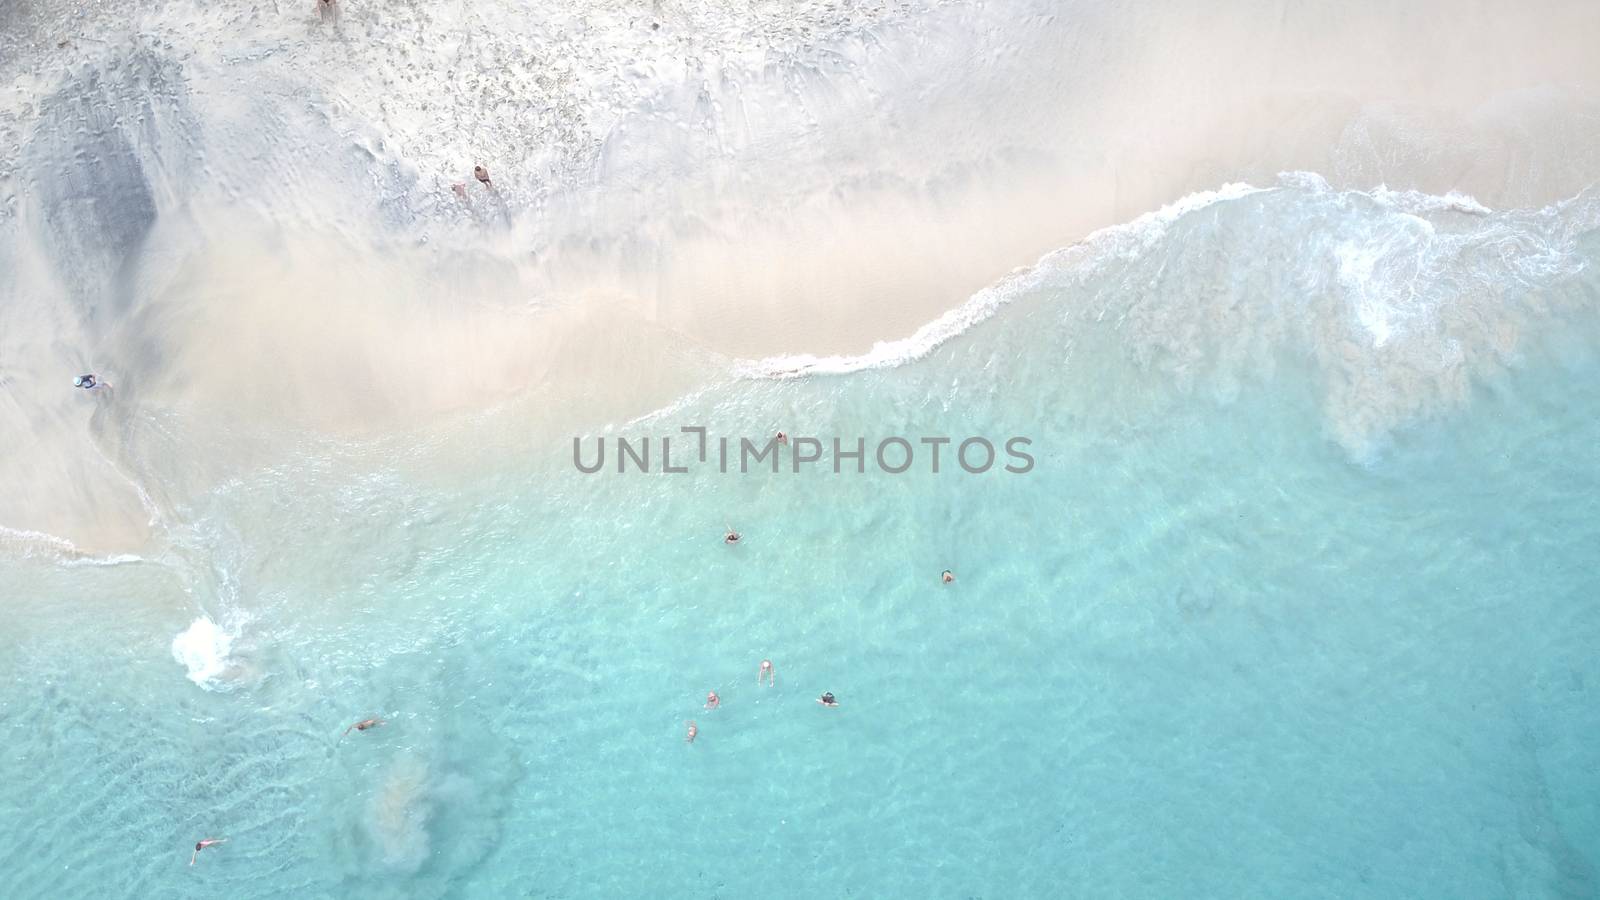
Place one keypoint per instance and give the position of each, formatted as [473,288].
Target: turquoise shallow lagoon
[1299,600]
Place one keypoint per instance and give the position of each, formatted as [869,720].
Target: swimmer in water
[363,725]
[482,174]
[87,382]
[948,576]
[732,537]
[783,438]
[712,700]
[201,845]
[767,673]
[827,699]
[693,730]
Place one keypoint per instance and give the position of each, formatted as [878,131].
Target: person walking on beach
[767,673]
[693,730]
[327,9]
[712,700]
[201,845]
[482,174]
[363,725]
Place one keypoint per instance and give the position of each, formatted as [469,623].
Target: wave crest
[1119,240]
[1398,300]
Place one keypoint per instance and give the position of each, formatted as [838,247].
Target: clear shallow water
[1284,610]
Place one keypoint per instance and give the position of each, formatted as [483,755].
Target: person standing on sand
[201,845]
[767,673]
[482,174]
[328,9]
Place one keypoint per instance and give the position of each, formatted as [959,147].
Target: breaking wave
[1401,299]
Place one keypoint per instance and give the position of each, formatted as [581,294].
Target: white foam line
[1410,201]
[1418,202]
[66,552]
[1112,240]
[118,559]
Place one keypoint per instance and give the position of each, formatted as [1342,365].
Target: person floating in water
[827,699]
[201,845]
[767,673]
[732,537]
[712,700]
[87,382]
[948,576]
[363,725]
[693,730]
[482,174]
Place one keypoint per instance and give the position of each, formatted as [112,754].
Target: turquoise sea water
[1299,600]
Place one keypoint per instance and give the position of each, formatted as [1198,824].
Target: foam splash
[203,650]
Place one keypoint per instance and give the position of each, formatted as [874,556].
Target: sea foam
[203,650]
[1401,300]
